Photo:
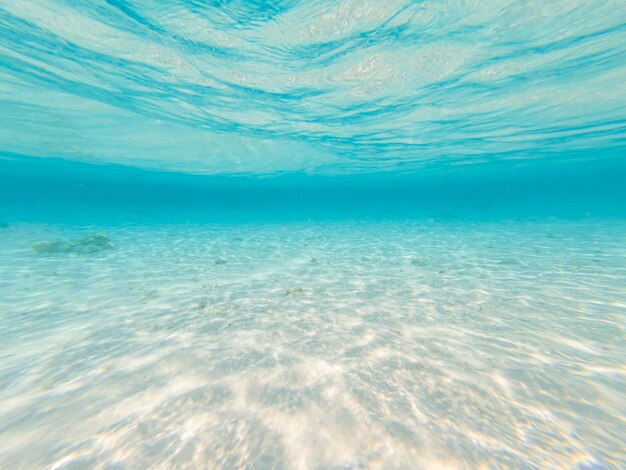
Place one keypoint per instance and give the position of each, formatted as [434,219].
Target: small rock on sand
[293,291]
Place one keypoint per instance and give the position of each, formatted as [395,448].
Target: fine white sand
[315,345]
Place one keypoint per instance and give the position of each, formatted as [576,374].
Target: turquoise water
[325,234]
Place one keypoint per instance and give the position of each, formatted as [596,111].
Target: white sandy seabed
[304,345]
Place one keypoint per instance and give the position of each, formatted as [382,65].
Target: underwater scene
[324,234]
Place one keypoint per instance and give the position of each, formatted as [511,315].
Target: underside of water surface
[316,234]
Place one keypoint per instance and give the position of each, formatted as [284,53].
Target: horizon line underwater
[288,234]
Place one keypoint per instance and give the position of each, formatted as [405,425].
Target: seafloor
[313,345]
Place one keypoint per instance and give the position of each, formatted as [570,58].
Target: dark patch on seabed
[82,246]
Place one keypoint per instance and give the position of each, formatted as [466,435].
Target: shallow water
[344,344]
[312,234]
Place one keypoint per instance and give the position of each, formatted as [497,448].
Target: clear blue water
[324,234]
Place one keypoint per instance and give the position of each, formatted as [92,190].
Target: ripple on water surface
[326,86]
